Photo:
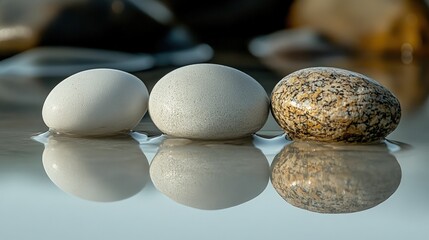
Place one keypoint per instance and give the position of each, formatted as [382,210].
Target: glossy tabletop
[262,187]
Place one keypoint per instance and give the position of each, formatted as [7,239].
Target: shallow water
[133,187]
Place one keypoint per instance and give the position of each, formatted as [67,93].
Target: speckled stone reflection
[96,169]
[329,178]
[209,175]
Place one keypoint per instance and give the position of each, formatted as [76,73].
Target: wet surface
[133,187]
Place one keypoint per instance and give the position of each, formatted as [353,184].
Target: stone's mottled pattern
[331,104]
[327,178]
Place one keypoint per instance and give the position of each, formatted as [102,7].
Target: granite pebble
[329,178]
[334,105]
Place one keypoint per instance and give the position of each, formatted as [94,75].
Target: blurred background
[136,25]
[52,39]
[375,27]
[55,38]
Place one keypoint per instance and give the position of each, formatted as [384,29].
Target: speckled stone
[334,105]
[330,178]
[208,102]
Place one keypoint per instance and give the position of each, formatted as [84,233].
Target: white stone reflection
[329,178]
[96,169]
[209,175]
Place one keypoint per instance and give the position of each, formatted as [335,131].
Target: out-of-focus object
[230,23]
[209,175]
[49,38]
[16,91]
[64,61]
[42,62]
[328,178]
[208,101]
[97,169]
[96,102]
[299,42]
[104,24]
[334,105]
[374,27]
[119,25]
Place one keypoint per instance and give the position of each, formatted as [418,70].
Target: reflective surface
[209,175]
[131,187]
[327,178]
[101,170]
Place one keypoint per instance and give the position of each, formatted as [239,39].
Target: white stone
[96,102]
[208,101]
[209,175]
[96,169]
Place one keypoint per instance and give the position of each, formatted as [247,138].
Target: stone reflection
[327,178]
[209,175]
[97,169]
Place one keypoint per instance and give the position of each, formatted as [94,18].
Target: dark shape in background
[230,24]
[136,25]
